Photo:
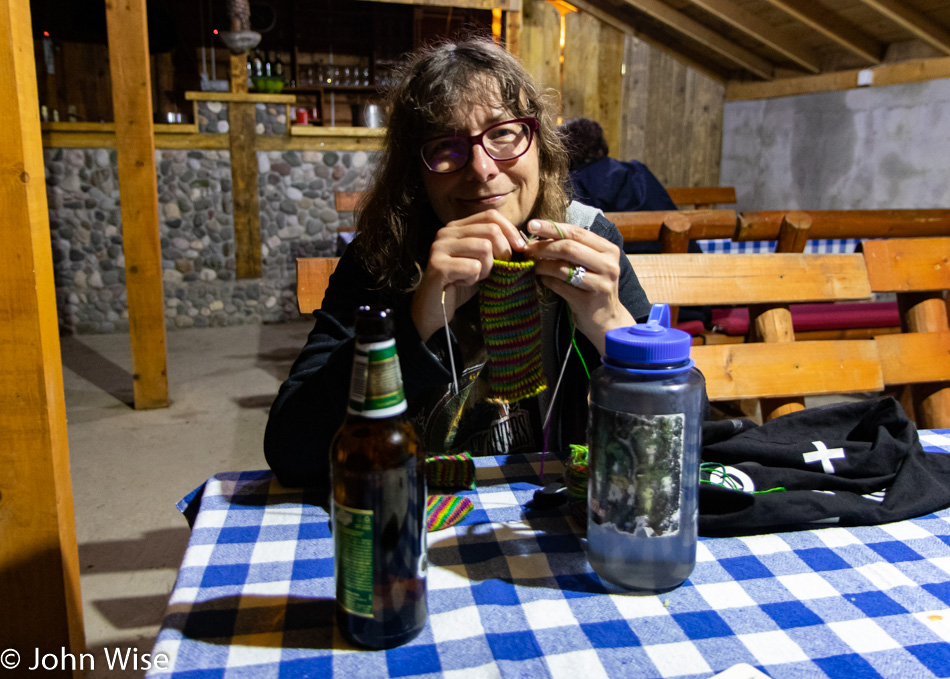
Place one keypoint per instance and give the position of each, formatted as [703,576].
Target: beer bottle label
[376,389]
[353,563]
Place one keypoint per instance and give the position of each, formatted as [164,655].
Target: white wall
[874,148]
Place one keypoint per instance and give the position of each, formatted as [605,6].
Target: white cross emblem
[824,455]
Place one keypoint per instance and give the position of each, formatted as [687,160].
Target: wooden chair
[918,270]
[771,365]
[667,226]
[703,197]
[313,277]
[802,225]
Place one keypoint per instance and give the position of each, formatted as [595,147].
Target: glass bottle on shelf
[258,65]
[269,65]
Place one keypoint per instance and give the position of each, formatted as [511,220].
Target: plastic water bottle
[644,440]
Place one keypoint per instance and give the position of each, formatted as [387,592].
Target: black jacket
[311,403]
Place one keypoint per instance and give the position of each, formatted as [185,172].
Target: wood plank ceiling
[757,41]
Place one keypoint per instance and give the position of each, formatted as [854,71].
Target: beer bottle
[379,498]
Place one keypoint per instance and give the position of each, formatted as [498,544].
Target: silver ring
[576,275]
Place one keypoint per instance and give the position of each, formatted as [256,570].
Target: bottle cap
[652,343]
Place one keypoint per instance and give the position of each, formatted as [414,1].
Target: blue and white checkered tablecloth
[815,246]
[511,594]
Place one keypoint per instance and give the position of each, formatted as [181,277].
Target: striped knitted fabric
[443,511]
[576,474]
[451,471]
[511,326]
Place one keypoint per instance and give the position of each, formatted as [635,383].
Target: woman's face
[509,186]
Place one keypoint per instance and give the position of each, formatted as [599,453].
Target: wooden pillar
[242,120]
[926,312]
[244,178]
[135,144]
[39,562]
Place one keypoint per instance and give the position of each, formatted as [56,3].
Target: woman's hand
[595,298]
[461,256]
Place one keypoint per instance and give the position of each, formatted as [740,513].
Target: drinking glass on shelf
[365,82]
[309,75]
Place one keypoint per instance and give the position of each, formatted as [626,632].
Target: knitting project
[443,511]
[511,325]
[451,471]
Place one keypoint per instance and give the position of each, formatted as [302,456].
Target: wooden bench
[775,365]
[770,365]
[792,229]
[918,271]
[699,197]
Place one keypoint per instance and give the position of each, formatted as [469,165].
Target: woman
[472,162]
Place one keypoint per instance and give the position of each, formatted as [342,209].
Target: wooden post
[135,145]
[39,561]
[926,312]
[247,228]
[793,233]
[239,72]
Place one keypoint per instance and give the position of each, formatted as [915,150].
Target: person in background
[618,186]
[604,182]
[472,173]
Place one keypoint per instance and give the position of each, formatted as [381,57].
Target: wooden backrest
[703,196]
[779,367]
[697,196]
[645,226]
[918,270]
[844,224]
[313,277]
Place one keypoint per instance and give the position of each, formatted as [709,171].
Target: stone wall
[196,228]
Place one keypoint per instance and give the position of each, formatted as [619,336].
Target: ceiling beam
[690,28]
[832,27]
[913,21]
[918,70]
[611,20]
[760,30]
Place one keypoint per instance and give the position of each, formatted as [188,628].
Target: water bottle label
[636,471]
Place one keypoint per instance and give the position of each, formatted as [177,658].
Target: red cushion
[692,327]
[735,321]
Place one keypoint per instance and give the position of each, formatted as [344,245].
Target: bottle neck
[376,389]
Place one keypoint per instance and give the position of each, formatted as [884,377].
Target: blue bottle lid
[651,345]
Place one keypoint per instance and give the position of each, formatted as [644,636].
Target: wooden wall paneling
[634,98]
[579,92]
[679,147]
[39,562]
[513,32]
[135,146]
[660,125]
[610,84]
[164,85]
[705,108]
[540,37]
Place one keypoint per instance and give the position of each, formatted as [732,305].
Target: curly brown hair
[438,86]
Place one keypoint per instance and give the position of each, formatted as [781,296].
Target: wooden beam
[918,70]
[39,561]
[760,30]
[916,23]
[514,5]
[696,31]
[818,18]
[628,29]
[238,74]
[135,146]
[244,179]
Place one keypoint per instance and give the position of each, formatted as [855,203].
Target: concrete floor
[130,467]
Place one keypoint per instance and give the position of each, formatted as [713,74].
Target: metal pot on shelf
[368,115]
